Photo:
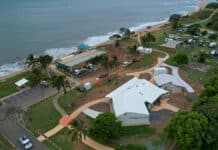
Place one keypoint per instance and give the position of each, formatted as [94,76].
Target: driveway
[157,117]
[9,126]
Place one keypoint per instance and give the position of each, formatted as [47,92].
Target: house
[171,45]
[132,101]
[144,50]
[68,62]
[169,83]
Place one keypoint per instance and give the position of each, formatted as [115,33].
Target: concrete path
[72,116]
[175,73]
[57,106]
[91,113]
[165,105]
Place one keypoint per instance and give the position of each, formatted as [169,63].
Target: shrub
[180,59]
[131,147]
[213,37]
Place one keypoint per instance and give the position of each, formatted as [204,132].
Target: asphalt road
[9,126]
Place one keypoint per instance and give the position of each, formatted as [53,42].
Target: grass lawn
[61,140]
[67,101]
[41,117]
[5,144]
[137,131]
[148,60]
[195,75]
[8,87]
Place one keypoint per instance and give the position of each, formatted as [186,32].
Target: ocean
[56,27]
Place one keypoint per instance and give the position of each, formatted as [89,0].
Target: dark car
[103,75]
[81,89]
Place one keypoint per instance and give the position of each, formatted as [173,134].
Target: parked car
[44,83]
[103,75]
[81,89]
[25,142]
[28,146]
[126,64]
[80,72]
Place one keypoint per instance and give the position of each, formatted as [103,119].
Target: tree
[180,59]
[131,147]
[31,61]
[45,61]
[114,62]
[60,82]
[148,39]
[35,78]
[187,130]
[79,131]
[202,57]
[105,127]
[194,29]
[174,19]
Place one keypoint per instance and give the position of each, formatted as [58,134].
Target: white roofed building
[169,82]
[21,83]
[132,100]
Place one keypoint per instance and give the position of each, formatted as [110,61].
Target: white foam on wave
[95,40]
[7,69]
[60,52]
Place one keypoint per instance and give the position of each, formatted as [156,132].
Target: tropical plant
[45,61]
[105,127]
[79,131]
[180,59]
[31,61]
[148,39]
[174,19]
[188,130]
[60,82]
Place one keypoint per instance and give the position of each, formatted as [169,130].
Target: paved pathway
[175,73]
[164,105]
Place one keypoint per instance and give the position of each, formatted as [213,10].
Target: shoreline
[154,28]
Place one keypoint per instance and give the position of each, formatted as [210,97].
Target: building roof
[131,96]
[163,79]
[73,60]
[84,47]
[21,82]
[171,44]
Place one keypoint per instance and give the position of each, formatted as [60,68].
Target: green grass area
[8,87]
[137,131]
[197,17]
[5,144]
[67,101]
[41,117]
[62,140]
[147,61]
[195,75]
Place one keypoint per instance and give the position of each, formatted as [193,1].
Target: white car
[28,145]
[125,64]
[24,140]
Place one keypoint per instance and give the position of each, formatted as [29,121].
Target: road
[9,125]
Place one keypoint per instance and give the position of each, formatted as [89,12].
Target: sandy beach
[140,33]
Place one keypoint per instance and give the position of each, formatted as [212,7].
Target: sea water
[56,27]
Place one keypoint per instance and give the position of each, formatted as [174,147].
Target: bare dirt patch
[101,107]
[146,76]
[179,100]
[200,67]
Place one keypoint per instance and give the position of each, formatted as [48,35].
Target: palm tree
[148,39]
[31,61]
[114,62]
[60,82]
[45,61]
[79,131]
[35,78]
